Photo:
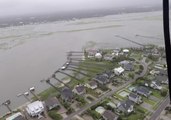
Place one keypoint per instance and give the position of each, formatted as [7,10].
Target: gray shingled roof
[127,65]
[133,95]
[92,83]
[51,101]
[80,88]
[126,104]
[102,78]
[143,89]
[109,115]
[67,93]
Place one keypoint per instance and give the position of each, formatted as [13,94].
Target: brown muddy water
[33,52]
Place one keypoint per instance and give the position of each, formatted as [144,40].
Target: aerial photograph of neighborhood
[105,60]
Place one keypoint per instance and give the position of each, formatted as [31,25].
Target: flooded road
[33,52]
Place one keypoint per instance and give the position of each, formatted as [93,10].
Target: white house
[125,51]
[100,110]
[118,70]
[35,109]
[156,85]
[98,56]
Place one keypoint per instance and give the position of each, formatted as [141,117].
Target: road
[110,93]
[156,114]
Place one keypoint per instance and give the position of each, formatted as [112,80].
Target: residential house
[162,79]
[165,81]
[52,103]
[155,52]
[125,51]
[92,85]
[154,72]
[67,94]
[109,73]
[127,65]
[111,104]
[118,71]
[126,106]
[91,53]
[156,85]
[16,116]
[163,72]
[100,110]
[35,109]
[135,98]
[109,115]
[98,56]
[108,57]
[143,91]
[116,50]
[79,89]
[161,68]
[102,79]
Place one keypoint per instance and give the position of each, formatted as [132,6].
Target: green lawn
[91,92]
[118,96]
[139,108]
[134,116]
[156,93]
[50,92]
[151,102]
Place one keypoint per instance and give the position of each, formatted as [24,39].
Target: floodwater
[33,52]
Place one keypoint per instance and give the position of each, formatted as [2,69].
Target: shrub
[94,114]
[70,110]
[163,93]
[54,115]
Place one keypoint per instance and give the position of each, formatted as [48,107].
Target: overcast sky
[19,7]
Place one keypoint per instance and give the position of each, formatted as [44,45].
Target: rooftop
[143,89]
[80,88]
[133,95]
[126,104]
[67,93]
[100,110]
[92,83]
[109,115]
[51,101]
[102,78]
[35,106]
[119,69]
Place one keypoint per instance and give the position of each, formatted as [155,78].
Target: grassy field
[151,102]
[50,92]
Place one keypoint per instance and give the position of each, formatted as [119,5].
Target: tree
[163,93]
[54,115]
[80,99]
[94,114]
[70,110]
[141,67]
[131,75]
[66,105]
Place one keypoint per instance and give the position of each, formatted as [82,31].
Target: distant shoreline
[52,17]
